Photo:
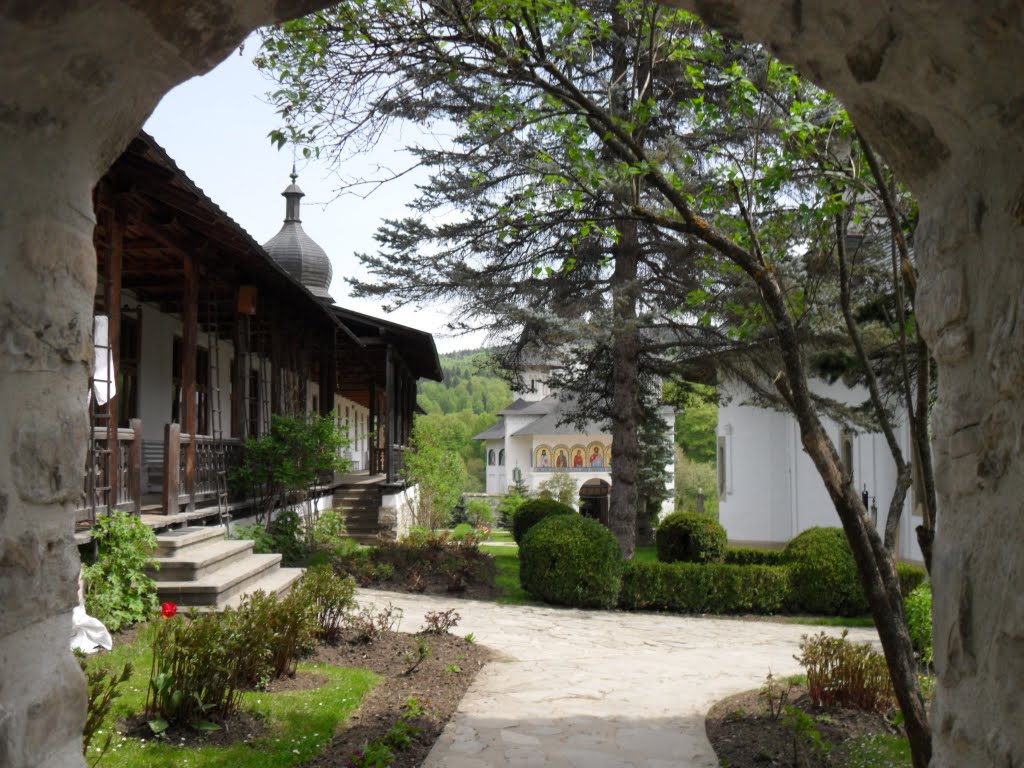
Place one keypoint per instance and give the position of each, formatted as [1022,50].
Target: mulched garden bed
[439,682]
[744,735]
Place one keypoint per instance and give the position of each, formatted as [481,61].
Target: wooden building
[208,334]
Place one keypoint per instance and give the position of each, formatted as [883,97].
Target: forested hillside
[463,405]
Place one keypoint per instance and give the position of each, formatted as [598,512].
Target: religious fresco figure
[561,459]
[596,458]
[545,458]
[577,459]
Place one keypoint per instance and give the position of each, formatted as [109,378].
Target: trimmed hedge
[753,556]
[825,578]
[571,560]
[911,577]
[532,511]
[705,588]
[690,538]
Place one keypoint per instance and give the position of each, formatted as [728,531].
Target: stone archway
[934,83]
[593,499]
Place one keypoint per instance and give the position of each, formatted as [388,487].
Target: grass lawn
[300,723]
[506,560]
[498,534]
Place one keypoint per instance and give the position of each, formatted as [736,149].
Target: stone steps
[200,568]
[360,506]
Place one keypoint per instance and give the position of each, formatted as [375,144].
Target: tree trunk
[626,407]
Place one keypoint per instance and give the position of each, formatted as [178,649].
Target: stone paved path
[593,689]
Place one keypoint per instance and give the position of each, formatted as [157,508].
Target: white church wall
[773,490]
[155,371]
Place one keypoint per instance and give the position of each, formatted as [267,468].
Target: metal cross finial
[293,174]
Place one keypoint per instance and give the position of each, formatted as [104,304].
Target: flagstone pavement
[598,689]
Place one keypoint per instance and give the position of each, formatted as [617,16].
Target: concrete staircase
[201,568]
[360,506]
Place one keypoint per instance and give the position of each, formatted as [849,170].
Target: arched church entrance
[594,500]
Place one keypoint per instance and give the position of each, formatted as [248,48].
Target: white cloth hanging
[89,633]
[104,381]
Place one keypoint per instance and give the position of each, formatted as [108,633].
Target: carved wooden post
[172,464]
[135,467]
[189,341]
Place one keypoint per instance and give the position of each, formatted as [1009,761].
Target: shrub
[462,530]
[845,674]
[509,506]
[532,511]
[705,588]
[567,559]
[752,556]
[194,675]
[690,538]
[332,599]
[330,534]
[825,578]
[119,592]
[479,512]
[919,622]
[911,577]
[560,486]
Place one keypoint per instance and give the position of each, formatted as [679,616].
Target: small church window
[501,458]
[490,458]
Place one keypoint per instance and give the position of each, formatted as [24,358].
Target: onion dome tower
[296,251]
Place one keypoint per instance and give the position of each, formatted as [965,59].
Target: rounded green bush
[532,511]
[571,560]
[825,578]
[690,538]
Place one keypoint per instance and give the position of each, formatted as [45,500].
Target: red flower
[168,610]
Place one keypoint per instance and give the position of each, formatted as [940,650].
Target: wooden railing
[178,488]
[108,484]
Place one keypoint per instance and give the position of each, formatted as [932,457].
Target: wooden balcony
[151,478]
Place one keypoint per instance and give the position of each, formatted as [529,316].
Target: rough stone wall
[77,79]
[936,85]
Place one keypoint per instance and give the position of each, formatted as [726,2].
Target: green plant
[103,687]
[438,471]
[752,556]
[919,622]
[368,624]
[192,677]
[806,736]
[440,622]
[119,592]
[416,657]
[285,532]
[843,673]
[479,512]
[453,669]
[705,588]
[470,638]
[567,559]
[561,487]
[825,577]
[332,599]
[775,694]
[911,577]
[462,530]
[330,534]
[509,506]
[281,467]
[690,538]
[532,511]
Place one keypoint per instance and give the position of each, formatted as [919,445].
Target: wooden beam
[172,462]
[239,376]
[189,343]
[112,298]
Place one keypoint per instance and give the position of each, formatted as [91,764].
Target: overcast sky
[215,128]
